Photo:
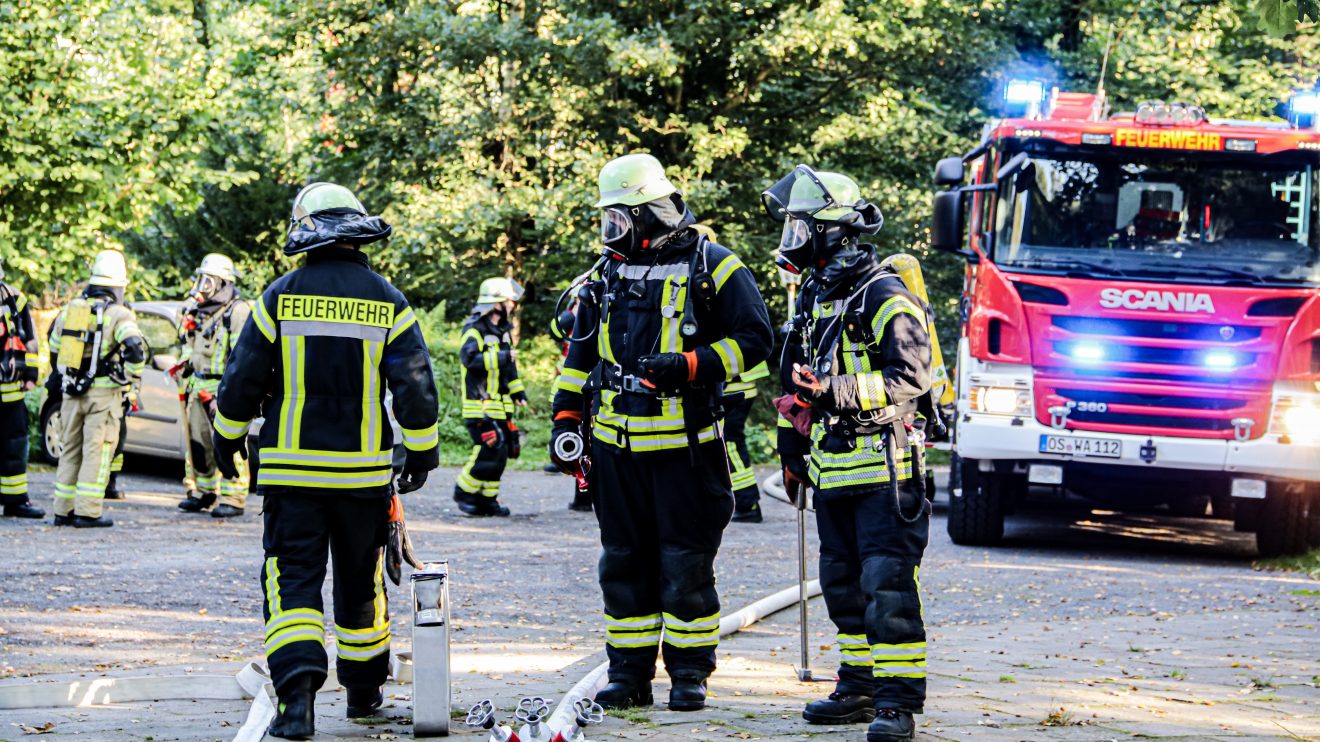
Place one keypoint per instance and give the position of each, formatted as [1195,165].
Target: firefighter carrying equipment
[326,214]
[660,476]
[824,215]
[491,391]
[18,367]
[101,336]
[325,341]
[209,333]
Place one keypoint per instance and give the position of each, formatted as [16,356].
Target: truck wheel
[976,515]
[1313,504]
[50,434]
[1285,522]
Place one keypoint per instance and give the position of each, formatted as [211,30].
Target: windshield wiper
[1201,270]
[1070,264]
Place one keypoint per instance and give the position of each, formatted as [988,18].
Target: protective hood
[630,231]
[335,225]
[848,269]
[114,293]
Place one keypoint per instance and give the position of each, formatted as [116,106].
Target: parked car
[156,428]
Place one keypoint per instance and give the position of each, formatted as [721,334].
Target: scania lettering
[1165,301]
[1140,314]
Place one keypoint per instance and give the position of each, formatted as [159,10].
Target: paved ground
[1088,626]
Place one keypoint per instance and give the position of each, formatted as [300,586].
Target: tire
[50,434]
[1285,524]
[976,516]
[1313,521]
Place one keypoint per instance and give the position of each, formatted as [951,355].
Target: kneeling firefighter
[210,330]
[320,349]
[100,355]
[491,391]
[856,368]
[672,317]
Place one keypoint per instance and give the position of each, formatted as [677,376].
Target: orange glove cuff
[691,357]
[569,415]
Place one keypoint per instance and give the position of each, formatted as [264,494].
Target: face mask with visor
[798,200]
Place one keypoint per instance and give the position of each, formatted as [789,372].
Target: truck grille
[1156,329]
[1152,407]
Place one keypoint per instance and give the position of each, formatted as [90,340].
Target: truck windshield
[1166,215]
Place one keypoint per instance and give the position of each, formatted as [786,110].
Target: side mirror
[949,171]
[946,227]
[163,362]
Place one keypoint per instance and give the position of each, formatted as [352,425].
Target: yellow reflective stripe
[893,307]
[289,636]
[295,616]
[273,601]
[230,428]
[516,386]
[16,484]
[673,296]
[64,490]
[20,300]
[603,348]
[274,476]
[372,352]
[649,639]
[261,318]
[730,356]
[571,380]
[697,624]
[725,270]
[871,391]
[900,669]
[330,459]
[648,442]
[652,621]
[421,439]
[125,330]
[407,318]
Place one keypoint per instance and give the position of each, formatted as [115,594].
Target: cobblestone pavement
[1088,625]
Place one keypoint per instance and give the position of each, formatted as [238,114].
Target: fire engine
[1140,314]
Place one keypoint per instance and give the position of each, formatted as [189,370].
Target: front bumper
[996,437]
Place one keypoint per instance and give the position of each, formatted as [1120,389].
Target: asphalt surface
[1055,635]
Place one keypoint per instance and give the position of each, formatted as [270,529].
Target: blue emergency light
[1023,97]
[1088,352]
[1303,107]
[1220,360]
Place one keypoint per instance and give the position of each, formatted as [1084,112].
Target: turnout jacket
[870,336]
[490,375]
[208,343]
[19,337]
[639,308]
[317,354]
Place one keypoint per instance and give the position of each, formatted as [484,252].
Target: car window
[161,336]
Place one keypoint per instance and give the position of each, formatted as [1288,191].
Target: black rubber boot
[364,702]
[112,491]
[688,693]
[750,515]
[196,502]
[840,708]
[479,506]
[296,710]
[581,502]
[24,510]
[891,725]
[625,694]
[84,521]
[62,520]
[226,511]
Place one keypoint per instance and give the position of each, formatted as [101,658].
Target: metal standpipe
[432,694]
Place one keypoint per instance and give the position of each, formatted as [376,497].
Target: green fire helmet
[219,266]
[109,269]
[496,290]
[322,196]
[633,180]
[826,197]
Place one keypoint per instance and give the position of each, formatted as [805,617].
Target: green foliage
[1280,17]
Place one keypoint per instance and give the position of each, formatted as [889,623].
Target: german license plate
[1068,445]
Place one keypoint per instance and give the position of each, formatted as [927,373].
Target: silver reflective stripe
[658,272]
[371,395]
[288,477]
[308,328]
[275,456]
[291,405]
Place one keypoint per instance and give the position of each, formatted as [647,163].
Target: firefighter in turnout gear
[323,345]
[672,318]
[100,354]
[209,331]
[491,391]
[738,400]
[18,374]
[856,367]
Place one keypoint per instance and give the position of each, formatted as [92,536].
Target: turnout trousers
[13,447]
[870,560]
[89,438]
[662,516]
[746,494]
[301,530]
[481,474]
[229,491]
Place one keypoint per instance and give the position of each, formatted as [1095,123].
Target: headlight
[1299,420]
[999,400]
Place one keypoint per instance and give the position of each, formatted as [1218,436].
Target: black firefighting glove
[668,371]
[415,467]
[563,426]
[410,480]
[225,451]
[519,397]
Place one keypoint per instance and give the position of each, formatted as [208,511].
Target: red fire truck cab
[1141,313]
